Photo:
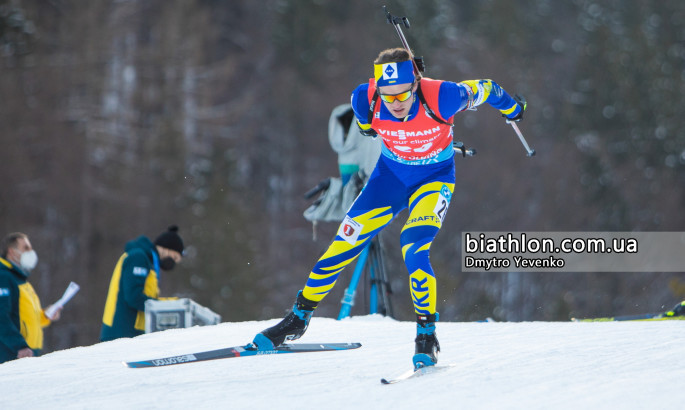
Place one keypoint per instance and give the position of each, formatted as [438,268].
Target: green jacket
[21,316]
[135,280]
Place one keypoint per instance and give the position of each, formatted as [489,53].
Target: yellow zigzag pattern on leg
[419,212]
[327,275]
[406,247]
[432,187]
[317,294]
[370,222]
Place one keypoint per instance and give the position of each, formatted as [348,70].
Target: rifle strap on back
[428,109]
[372,106]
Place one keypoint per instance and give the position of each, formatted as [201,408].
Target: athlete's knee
[416,242]
[413,233]
[418,261]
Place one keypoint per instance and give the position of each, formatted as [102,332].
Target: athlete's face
[399,109]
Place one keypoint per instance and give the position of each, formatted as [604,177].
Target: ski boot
[290,328]
[427,346]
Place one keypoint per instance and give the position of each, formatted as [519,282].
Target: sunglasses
[401,97]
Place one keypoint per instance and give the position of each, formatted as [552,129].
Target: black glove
[521,101]
[370,132]
[420,64]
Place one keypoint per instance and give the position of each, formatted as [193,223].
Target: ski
[241,351]
[677,313]
[642,318]
[418,372]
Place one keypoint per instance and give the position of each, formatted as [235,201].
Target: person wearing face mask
[135,280]
[22,318]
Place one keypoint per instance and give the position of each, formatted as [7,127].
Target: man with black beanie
[135,280]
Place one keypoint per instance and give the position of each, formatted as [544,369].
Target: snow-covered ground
[534,365]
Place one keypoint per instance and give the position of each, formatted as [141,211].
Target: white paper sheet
[72,289]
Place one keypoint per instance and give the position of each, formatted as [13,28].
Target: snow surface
[530,365]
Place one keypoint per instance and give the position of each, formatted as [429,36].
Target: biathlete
[414,171]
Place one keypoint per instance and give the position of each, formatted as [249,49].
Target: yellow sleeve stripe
[509,111]
[481,90]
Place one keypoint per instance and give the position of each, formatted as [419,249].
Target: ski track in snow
[528,365]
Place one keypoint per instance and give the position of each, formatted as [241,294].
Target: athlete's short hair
[392,55]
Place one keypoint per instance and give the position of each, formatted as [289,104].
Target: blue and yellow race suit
[414,172]
[134,281]
[22,318]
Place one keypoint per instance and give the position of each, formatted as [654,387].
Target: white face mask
[28,260]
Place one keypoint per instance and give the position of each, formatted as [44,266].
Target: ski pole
[461,149]
[530,152]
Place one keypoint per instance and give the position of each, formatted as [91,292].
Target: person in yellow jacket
[22,318]
[135,280]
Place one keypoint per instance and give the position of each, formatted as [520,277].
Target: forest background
[122,117]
